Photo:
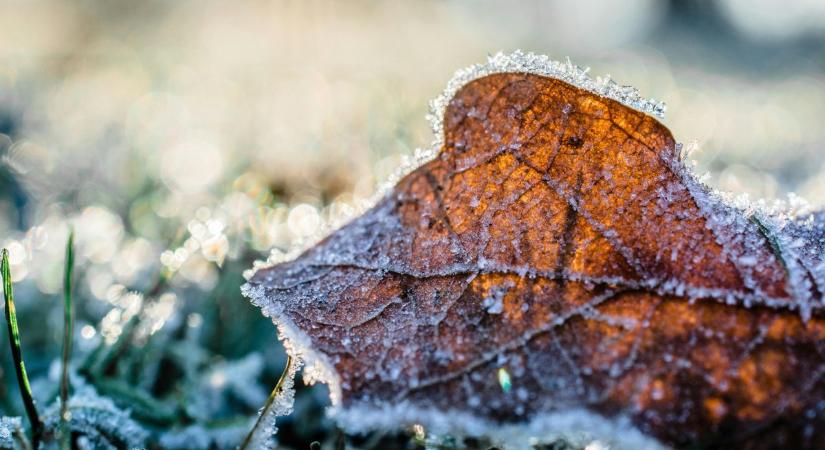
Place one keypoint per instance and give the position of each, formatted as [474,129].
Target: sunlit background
[190,137]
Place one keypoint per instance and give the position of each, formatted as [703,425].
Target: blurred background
[187,138]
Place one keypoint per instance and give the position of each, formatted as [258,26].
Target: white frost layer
[9,426]
[317,367]
[515,62]
[263,435]
[577,427]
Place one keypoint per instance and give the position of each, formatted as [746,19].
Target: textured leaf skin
[557,235]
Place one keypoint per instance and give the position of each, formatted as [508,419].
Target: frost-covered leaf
[556,271]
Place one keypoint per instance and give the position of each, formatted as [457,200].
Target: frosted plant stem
[16,352]
[68,332]
[268,406]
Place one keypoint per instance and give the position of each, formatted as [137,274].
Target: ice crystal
[520,62]
[199,436]
[263,435]
[575,427]
[98,419]
[317,366]
[231,380]
[9,426]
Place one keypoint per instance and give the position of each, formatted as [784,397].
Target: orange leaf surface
[556,258]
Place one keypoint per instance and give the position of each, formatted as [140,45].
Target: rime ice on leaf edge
[520,62]
[316,366]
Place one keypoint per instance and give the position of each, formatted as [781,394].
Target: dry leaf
[556,262]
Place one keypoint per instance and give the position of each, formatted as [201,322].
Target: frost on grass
[9,427]
[98,420]
[555,235]
[200,436]
[229,381]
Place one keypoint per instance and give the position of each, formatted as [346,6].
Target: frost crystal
[575,427]
[263,435]
[317,367]
[9,426]
[97,418]
[520,62]
[235,380]
[198,436]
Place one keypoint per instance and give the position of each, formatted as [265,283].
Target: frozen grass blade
[16,353]
[267,407]
[68,332]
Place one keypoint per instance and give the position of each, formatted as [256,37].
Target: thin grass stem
[17,354]
[68,333]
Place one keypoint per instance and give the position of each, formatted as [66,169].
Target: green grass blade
[68,332]
[17,355]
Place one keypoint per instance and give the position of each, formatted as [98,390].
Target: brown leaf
[556,257]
